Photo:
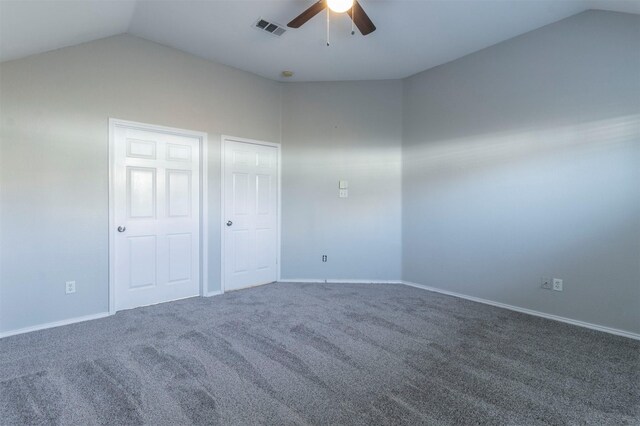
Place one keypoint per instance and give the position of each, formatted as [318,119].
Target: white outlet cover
[557,284]
[70,287]
[344,193]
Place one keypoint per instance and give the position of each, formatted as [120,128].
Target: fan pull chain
[353,18]
[327,26]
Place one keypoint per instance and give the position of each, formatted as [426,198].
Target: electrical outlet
[557,284]
[546,283]
[70,287]
[324,257]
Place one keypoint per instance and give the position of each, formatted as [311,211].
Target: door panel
[264,237]
[178,152]
[142,261]
[156,189]
[141,149]
[263,195]
[179,257]
[240,242]
[240,193]
[141,192]
[179,193]
[251,212]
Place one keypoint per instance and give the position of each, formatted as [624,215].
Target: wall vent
[270,27]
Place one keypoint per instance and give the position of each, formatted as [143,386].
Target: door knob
[122,228]
[229,223]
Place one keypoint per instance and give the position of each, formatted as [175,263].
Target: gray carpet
[320,354]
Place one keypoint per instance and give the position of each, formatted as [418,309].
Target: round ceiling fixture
[287,73]
[340,6]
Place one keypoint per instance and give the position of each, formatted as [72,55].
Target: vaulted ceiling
[412,35]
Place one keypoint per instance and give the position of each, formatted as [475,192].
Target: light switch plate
[343,184]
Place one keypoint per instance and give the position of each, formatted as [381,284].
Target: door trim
[223,142]
[204,216]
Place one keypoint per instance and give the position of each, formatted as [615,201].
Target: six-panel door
[251,209]
[156,211]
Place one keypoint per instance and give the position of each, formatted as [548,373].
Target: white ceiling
[412,35]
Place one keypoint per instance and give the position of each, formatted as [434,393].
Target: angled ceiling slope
[30,27]
[412,35]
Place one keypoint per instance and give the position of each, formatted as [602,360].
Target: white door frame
[223,143]
[204,217]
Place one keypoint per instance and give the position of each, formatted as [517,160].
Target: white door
[157,215]
[251,214]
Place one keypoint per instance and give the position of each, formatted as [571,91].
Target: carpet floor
[342,354]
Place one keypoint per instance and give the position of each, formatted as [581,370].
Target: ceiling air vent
[270,27]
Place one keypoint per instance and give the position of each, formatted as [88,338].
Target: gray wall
[350,131]
[520,161]
[54,170]
[523,161]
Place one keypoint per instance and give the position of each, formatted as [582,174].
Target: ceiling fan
[351,7]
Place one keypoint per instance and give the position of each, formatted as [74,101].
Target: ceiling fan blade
[361,19]
[307,14]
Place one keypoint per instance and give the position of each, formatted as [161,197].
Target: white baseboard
[53,324]
[589,325]
[333,281]
[597,327]
[74,320]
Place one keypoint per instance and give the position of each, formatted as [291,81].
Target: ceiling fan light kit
[340,6]
[351,7]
